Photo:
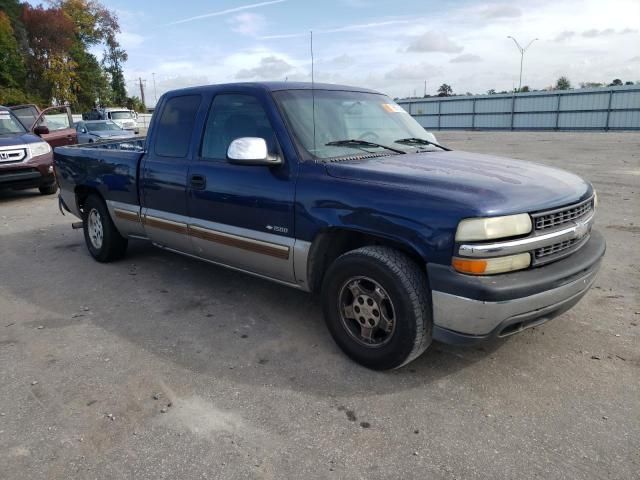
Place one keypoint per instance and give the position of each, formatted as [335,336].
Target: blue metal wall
[609,108]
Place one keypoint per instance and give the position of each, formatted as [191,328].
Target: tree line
[563,83]
[46,59]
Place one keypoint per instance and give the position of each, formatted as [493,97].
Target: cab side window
[233,116]
[175,126]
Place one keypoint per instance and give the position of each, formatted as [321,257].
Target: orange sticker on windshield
[392,108]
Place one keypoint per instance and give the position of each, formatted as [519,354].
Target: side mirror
[251,151]
[41,130]
[83,130]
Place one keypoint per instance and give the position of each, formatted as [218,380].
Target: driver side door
[241,215]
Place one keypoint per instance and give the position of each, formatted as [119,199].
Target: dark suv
[26,160]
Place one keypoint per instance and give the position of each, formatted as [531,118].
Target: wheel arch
[82,192]
[332,242]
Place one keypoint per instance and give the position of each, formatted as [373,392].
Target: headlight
[595,199]
[490,266]
[39,148]
[493,227]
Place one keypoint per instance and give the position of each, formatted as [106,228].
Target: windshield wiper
[421,141]
[354,143]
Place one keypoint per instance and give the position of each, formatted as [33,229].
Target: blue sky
[392,46]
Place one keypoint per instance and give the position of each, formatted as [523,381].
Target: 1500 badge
[278,229]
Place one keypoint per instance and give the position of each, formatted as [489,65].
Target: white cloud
[594,32]
[270,68]
[434,41]
[466,58]
[566,35]
[247,23]
[406,72]
[500,11]
[226,11]
[130,40]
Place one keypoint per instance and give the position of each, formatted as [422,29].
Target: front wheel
[100,234]
[377,307]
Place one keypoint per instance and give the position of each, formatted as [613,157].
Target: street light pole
[522,52]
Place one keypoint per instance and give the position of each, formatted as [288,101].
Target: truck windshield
[9,124]
[345,121]
[121,115]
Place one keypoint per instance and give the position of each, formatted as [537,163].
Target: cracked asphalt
[159,366]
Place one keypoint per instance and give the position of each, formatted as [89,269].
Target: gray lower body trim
[475,317]
[126,218]
[282,259]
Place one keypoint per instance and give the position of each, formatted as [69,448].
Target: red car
[26,137]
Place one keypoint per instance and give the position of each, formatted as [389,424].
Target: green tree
[134,103]
[563,83]
[616,83]
[114,57]
[525,89]
[12,69]
[445,90]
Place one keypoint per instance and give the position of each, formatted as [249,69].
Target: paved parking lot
[158,366]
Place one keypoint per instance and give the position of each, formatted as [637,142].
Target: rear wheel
[100,234]
[48,189]
[377,307]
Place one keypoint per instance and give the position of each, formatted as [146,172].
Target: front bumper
[468,309]
[35,172]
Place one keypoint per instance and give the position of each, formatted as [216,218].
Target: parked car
[26,160]
[54,124]
[338,190]
[126,119]
[90,131]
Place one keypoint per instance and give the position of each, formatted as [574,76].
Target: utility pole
[155,93]
[142,92]
[522,52]
[425,88]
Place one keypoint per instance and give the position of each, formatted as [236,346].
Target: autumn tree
[93,25]
[51,68]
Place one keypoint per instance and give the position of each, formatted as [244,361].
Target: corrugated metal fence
[610,108]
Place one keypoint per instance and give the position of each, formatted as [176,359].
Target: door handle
[198,182]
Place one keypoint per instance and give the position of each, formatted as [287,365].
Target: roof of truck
[278,86]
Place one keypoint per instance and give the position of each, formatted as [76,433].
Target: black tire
[48,189]
[407,290]
[112,246]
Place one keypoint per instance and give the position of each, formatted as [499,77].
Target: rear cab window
[175,126]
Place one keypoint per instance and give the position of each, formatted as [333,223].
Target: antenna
[313,95]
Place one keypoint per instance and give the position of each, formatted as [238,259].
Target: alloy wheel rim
[94,228]
[366,312]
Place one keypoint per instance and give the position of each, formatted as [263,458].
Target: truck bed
[108,167]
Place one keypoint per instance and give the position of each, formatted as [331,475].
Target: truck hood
[18,139]
[486,184]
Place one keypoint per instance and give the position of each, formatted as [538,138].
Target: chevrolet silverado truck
[337,190]
[26,160]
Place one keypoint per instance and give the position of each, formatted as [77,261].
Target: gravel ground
[158,366]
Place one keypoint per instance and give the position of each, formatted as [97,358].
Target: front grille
[551,253]
[13,155]
[555,248]
[560,216]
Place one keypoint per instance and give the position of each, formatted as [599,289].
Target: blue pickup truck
[337,190]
